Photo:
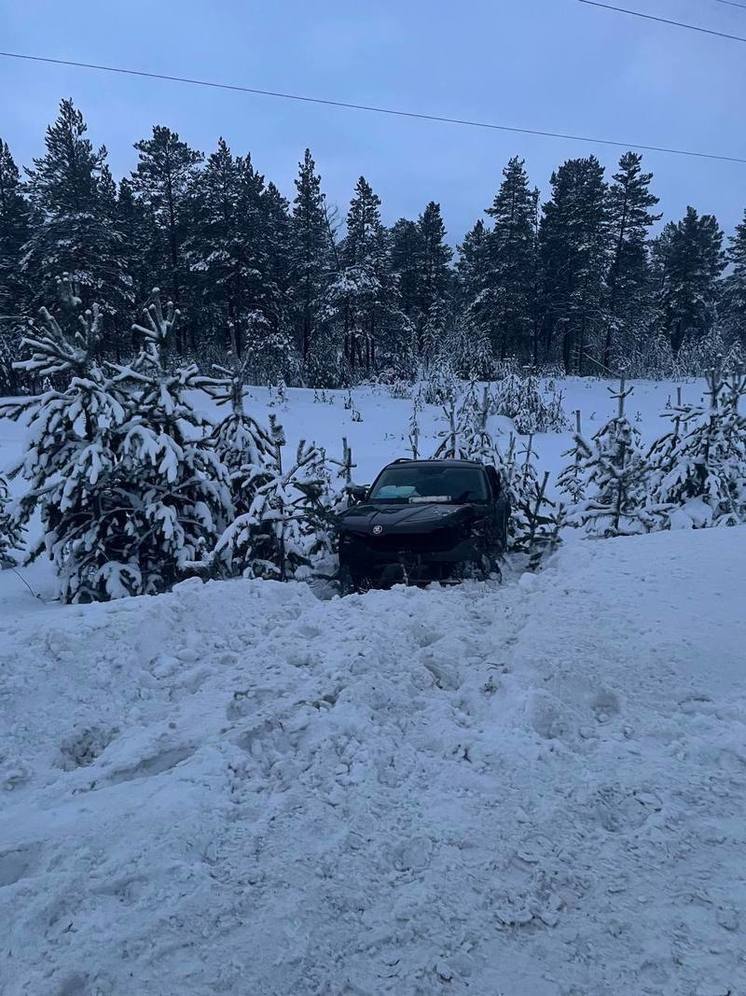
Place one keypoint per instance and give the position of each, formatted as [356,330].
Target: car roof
[429,463]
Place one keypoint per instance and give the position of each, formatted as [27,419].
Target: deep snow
[530,789]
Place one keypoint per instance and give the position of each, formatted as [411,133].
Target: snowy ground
[523,790]
[534,789]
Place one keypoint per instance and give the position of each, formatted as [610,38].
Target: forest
[586,281]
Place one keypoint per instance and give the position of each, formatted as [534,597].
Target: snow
[531,788]
[536,788]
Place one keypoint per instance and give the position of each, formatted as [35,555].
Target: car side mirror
[358,492]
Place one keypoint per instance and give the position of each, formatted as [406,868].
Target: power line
[664,20]
[732,3]
[377,110]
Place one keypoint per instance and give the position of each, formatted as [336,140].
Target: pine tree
[689,260]
[699,467]
[628,278]
[574,250]
[366,305]
[141,250]
[14,232]
[535,520]
[405,254]
[734,287]
[164,181]
[278,242]
[616,477]
[471,339]
[176,488]
[433,296]
[74,226]
[571,481]
[511,299]
[15,292]
[466,350]
[241,444]
[70,461]
[228,252]
[276,538]
[312,270]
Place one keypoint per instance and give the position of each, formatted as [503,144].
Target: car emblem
[377,530]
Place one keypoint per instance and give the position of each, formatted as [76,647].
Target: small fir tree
[276,538]
[70,463]
[616,477]
[179,493]
[699,476]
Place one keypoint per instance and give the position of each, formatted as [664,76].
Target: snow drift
[530,789]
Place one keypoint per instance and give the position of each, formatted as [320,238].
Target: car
[422,521]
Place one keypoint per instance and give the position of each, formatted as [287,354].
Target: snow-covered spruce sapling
[465,428]
[414,426]
[616,476]
[276,538]
[535,520]
[174,483]
[71,460]
[571,479]
[243,445]
[519,396]
[700,468]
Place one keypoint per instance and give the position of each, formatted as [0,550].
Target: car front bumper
[397,560]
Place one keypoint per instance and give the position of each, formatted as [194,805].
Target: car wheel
[347,581]
[351,583]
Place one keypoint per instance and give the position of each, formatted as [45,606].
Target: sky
[546,64]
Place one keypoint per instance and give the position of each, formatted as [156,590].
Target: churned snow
[536,788]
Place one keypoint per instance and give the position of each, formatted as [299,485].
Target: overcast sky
[546,64]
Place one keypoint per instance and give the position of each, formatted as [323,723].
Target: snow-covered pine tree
[242,445]
[11,533]
[464,346]
[535,519]
[734,288]
[460,417]
[364,296]
[512,250]
[432,297]
[174,483]
[628,284]
[70,463]
[663,454]
[164,181]
[74,226]
[15,291]
[699,468]
[574,245]
[277,537]
[414,425]
[520,397]
[312,268]
[571,480]
[616,477]
[472,335]
[688,259]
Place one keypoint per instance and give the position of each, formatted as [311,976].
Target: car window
[408,482]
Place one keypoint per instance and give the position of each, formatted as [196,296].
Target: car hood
[419,517]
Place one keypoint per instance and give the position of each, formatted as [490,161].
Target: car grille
[435,542]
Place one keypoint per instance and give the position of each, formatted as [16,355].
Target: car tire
[351,583]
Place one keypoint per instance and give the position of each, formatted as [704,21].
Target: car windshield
[418,482]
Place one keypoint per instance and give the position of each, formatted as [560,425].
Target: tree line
[581,281]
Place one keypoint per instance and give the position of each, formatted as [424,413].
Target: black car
[424,520]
